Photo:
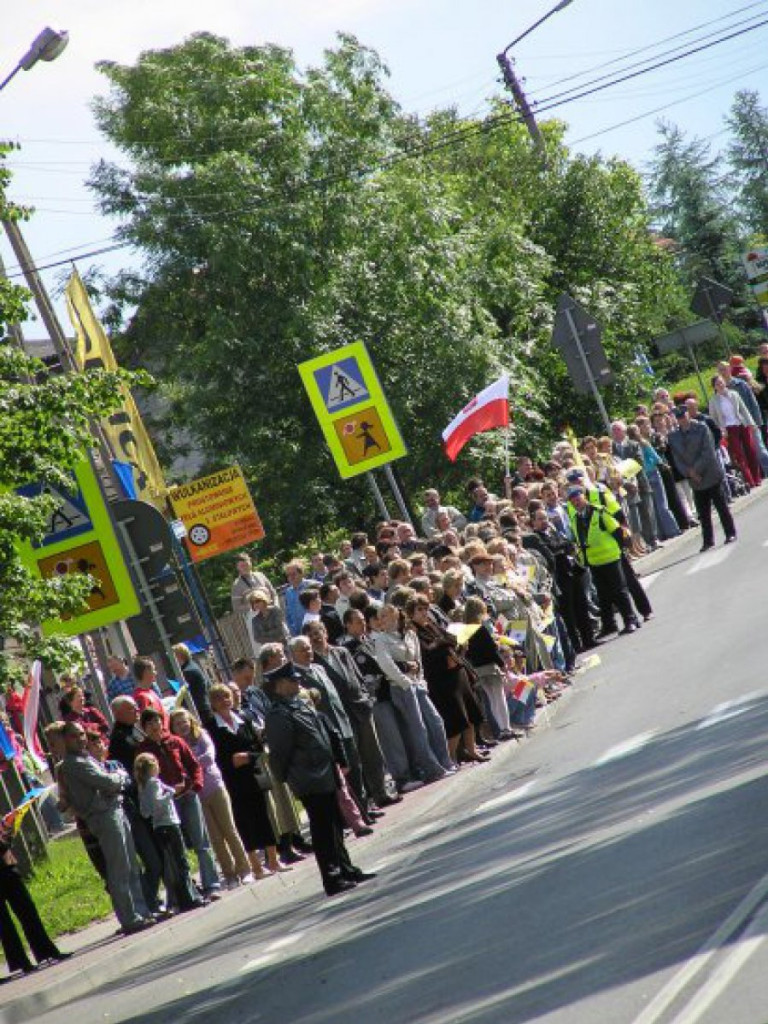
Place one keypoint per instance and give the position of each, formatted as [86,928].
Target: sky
[440,53]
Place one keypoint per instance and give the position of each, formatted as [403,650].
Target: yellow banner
[124,429]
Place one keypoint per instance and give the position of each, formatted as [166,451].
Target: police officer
[599,540]
[602,496]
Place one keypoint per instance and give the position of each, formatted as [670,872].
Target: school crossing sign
[352,410]
[79,538]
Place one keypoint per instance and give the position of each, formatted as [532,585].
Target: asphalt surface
[612,868]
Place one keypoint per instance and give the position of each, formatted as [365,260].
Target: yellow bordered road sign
[352,410]
[81,539]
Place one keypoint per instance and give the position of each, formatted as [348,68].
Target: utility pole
[513,83]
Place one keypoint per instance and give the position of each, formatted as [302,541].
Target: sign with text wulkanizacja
[352,410]
[218,513]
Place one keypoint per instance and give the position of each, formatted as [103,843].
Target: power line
[652,46]
[458,136]
[672,103]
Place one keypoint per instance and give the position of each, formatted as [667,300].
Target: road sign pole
[587,370]
[198,597]
[715,316]
[397,493]
[377,495]
[695,362]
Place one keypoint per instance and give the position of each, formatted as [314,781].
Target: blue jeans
[666,521]
[391,741]
[196,835]
[424,728]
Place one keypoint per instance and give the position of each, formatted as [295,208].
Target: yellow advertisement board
[218,513]
[352,410]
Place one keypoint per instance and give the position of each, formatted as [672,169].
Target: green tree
[748,156]
[284,213]
[691,205]
[44,429]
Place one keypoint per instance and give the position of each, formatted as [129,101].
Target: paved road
[611,869]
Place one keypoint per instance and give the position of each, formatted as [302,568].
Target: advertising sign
[217,512]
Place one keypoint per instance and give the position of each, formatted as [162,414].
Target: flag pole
[507,474]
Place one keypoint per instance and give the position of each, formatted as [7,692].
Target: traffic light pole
[587,370]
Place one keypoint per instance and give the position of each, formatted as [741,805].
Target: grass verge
[66,889]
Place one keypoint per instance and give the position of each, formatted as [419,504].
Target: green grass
[691,381]
[66,889]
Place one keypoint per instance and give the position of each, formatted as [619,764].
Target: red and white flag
[31,702]
[487,410]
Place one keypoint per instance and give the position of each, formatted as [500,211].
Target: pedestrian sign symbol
[352,410]
[70,517]
[341,384]
[362,435]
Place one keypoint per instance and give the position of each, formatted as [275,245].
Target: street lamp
[512,83]
[47,46]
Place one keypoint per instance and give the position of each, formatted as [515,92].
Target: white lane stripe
[746,946]
[730,709]
[660,1003]
[505,798]
[710,559]
[624,749]
[254,965]
[650,579]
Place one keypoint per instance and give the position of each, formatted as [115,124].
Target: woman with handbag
[15,896]
[445,671]
[239,750]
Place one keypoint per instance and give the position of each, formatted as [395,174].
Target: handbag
[262,776]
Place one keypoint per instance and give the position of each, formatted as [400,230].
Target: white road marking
[254,965]
[650,579]
[710,559]
[679,982]
[745,947]
[505,798]
[287,940]
[624,749]
[730,709]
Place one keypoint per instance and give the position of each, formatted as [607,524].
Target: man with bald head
[123,742]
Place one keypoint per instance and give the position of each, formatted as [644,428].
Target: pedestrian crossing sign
[352,410]
[341,384]
[70,516]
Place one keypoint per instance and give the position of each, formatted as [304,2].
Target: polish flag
[487,410]
[31,703]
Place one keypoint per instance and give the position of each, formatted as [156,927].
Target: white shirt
[727,408]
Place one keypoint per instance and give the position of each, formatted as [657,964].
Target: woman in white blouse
[729,412]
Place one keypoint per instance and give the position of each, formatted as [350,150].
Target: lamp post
[513,84]
[47,45]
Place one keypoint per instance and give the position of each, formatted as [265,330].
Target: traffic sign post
[352,410]
[579,338]
[687,338]
[713,300]
[80,538]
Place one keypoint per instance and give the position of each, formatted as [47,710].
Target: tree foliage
[692,205]
[45,422]
[748,155]
[285,213]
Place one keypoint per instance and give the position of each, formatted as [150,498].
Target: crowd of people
[387,665]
